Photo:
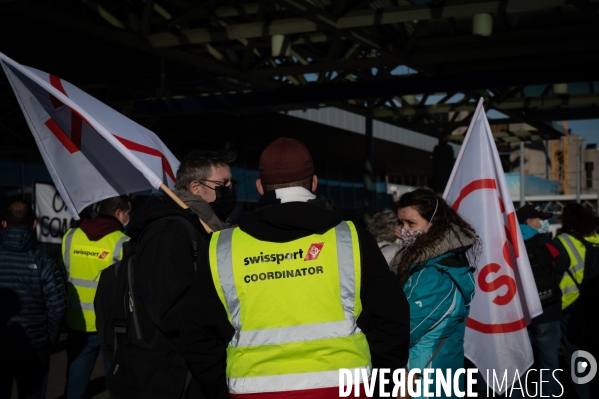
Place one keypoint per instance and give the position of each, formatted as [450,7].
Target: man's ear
[34,224]
[4,224]
[194,188]
[314,183]
[259,186]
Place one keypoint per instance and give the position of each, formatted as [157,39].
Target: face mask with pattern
[407,237]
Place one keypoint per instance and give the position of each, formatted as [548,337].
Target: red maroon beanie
[285,160]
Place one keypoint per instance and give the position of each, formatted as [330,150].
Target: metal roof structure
[417,64]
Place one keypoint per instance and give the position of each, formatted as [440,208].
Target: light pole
[522,200]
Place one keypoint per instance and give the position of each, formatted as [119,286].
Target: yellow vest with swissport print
[293,306]
[84,260]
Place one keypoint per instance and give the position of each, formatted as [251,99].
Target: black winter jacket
[32,295]
[385,318]
[164,270]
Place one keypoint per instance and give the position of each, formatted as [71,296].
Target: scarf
[202,209]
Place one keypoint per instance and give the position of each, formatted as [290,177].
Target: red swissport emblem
[314,251]
[73,143]
[103,255]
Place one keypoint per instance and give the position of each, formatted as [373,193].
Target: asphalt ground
[57,375]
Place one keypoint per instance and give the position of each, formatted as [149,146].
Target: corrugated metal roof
[356,123]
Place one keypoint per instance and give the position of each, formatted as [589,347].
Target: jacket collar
[17,239]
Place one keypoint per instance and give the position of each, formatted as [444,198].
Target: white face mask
[544,229]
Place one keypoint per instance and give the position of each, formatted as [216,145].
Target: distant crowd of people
[182,303]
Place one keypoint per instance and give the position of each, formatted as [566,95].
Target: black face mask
[226,199]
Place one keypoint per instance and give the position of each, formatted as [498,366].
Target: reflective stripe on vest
[255,343]
[116,255]
[84,260]
[287,382]
[81,305]
[68,240]
[576,254]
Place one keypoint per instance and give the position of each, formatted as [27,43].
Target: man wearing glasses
[205,184]
[170,245]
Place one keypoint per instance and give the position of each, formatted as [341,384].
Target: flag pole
[461,153]
[182,204]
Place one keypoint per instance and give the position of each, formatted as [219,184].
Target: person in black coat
[32,305]
[167,255]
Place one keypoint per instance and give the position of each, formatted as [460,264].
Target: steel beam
[523,103]
[124,39]
[355,19]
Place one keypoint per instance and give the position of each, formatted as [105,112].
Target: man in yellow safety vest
[86,251]
[580,227]
[292,295]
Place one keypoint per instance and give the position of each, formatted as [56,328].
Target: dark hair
[578,219]
[110,205]
[382,226]
[198,165]
[445,219]
[19,214]
[305,183]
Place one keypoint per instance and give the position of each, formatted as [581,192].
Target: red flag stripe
[57,84]
[513,236]
[475,185]
[61,136]
[496,328]
[150,151]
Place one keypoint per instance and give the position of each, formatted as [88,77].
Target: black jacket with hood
[385,318]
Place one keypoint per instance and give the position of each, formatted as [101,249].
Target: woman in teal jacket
[437,279]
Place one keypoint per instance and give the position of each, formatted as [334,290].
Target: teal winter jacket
[439,293]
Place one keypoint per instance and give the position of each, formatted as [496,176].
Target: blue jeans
[569,348]
[545,339]
[82,352]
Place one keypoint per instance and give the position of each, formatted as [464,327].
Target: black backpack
[543,270]
[138,368]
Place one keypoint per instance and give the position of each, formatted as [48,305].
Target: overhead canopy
[419,64]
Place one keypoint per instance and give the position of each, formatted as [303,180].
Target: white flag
[506,297]
[92,151]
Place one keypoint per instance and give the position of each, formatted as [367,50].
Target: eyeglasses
[228,184]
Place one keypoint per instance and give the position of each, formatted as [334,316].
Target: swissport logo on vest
[312,254]
[91,253]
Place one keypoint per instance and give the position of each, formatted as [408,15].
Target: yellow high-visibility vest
[84,260]
[577,252]
[293,306]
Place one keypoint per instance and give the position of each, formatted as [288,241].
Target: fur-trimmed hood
[454,238]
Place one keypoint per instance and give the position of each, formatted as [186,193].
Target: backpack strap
[119,318]
[573,279]
[126,283]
